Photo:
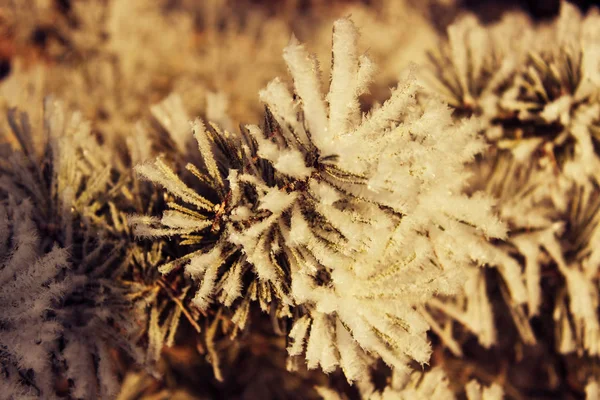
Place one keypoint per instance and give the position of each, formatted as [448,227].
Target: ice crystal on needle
[347,220]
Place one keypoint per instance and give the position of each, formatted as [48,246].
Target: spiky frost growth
[554,96]
[62,180]
[389,168]
[534,88]
[332,212]
[531,200]
[473,67]
[208,225]
[66,170]
[554,235]
[542,129]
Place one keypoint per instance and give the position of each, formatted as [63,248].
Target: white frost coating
[342,99]
[171,114]
[298,335]
[327,194]
[205,267]
[300,230]
[304,69]
[542,182]
[354,220]
[277,201]
[352,362]
[158,172]
[280,101]
[289,162]
[204,146]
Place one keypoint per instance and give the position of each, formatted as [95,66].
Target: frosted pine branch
[66,271]
[331,210]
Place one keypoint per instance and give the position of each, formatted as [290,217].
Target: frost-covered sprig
[63,179]
[531,200]
[534,87]
[555,92]
[62,171]
[58,322]
[333,211]
[475,64]
[391,189]
[542,143]
[161,301]
[553,224]
[207,222]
